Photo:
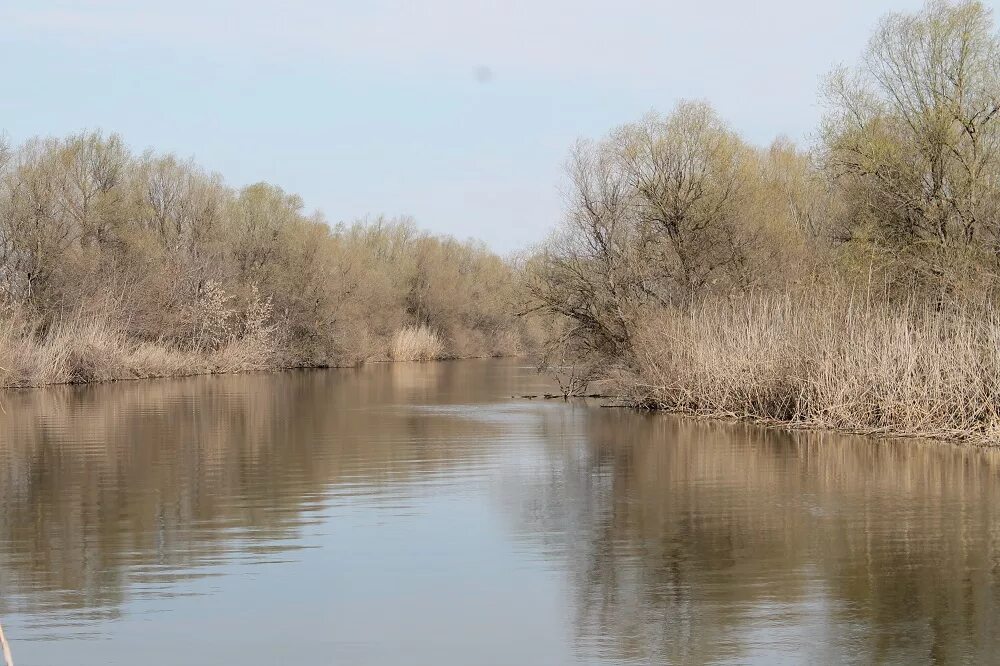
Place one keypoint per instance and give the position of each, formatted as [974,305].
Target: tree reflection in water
[674,540]
[690,542]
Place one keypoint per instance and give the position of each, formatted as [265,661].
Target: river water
[417,514]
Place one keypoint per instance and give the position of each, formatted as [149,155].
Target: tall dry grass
[416,343]
[829,362]
[85,349]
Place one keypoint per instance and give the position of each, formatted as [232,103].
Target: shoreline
[618,400]
[876,435]
[238,371]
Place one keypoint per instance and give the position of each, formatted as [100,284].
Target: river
[418,514]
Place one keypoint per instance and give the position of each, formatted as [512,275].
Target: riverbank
[90,351]
[834,363]
[850,284]
[123,265]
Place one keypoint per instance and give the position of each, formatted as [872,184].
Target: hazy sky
[458,112]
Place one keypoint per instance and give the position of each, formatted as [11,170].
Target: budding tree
[913,137]
[659,214]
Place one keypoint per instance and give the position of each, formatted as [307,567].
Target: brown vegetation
[117,266]
[416,343]
[852,285]
[834,362]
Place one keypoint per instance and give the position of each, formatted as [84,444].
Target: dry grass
[91,349]
[827,362]
[416,343]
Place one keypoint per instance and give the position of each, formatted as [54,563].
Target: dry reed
[91,349]
[416,343]
[909,369]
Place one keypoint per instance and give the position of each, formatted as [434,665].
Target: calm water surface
[416,514]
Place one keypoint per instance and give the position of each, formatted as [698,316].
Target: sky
[459,113]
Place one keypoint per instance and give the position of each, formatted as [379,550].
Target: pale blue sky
[384,106]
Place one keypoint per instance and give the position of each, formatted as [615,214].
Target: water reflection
[413,513]
[694,542]
[103,488]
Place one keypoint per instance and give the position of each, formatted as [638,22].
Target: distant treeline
[852,284]
[117,265]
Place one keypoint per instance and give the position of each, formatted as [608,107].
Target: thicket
[116,265]
[849,284]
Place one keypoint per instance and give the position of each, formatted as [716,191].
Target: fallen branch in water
[8,660]
[555,396]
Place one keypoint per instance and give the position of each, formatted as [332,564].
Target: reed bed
[832,362]
[416,343]
[92,349]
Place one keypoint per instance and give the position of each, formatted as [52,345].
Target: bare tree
[691,182]
[592,271]
[659,214]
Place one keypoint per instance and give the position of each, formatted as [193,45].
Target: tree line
[849,283]
[150,260]
[685,246]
